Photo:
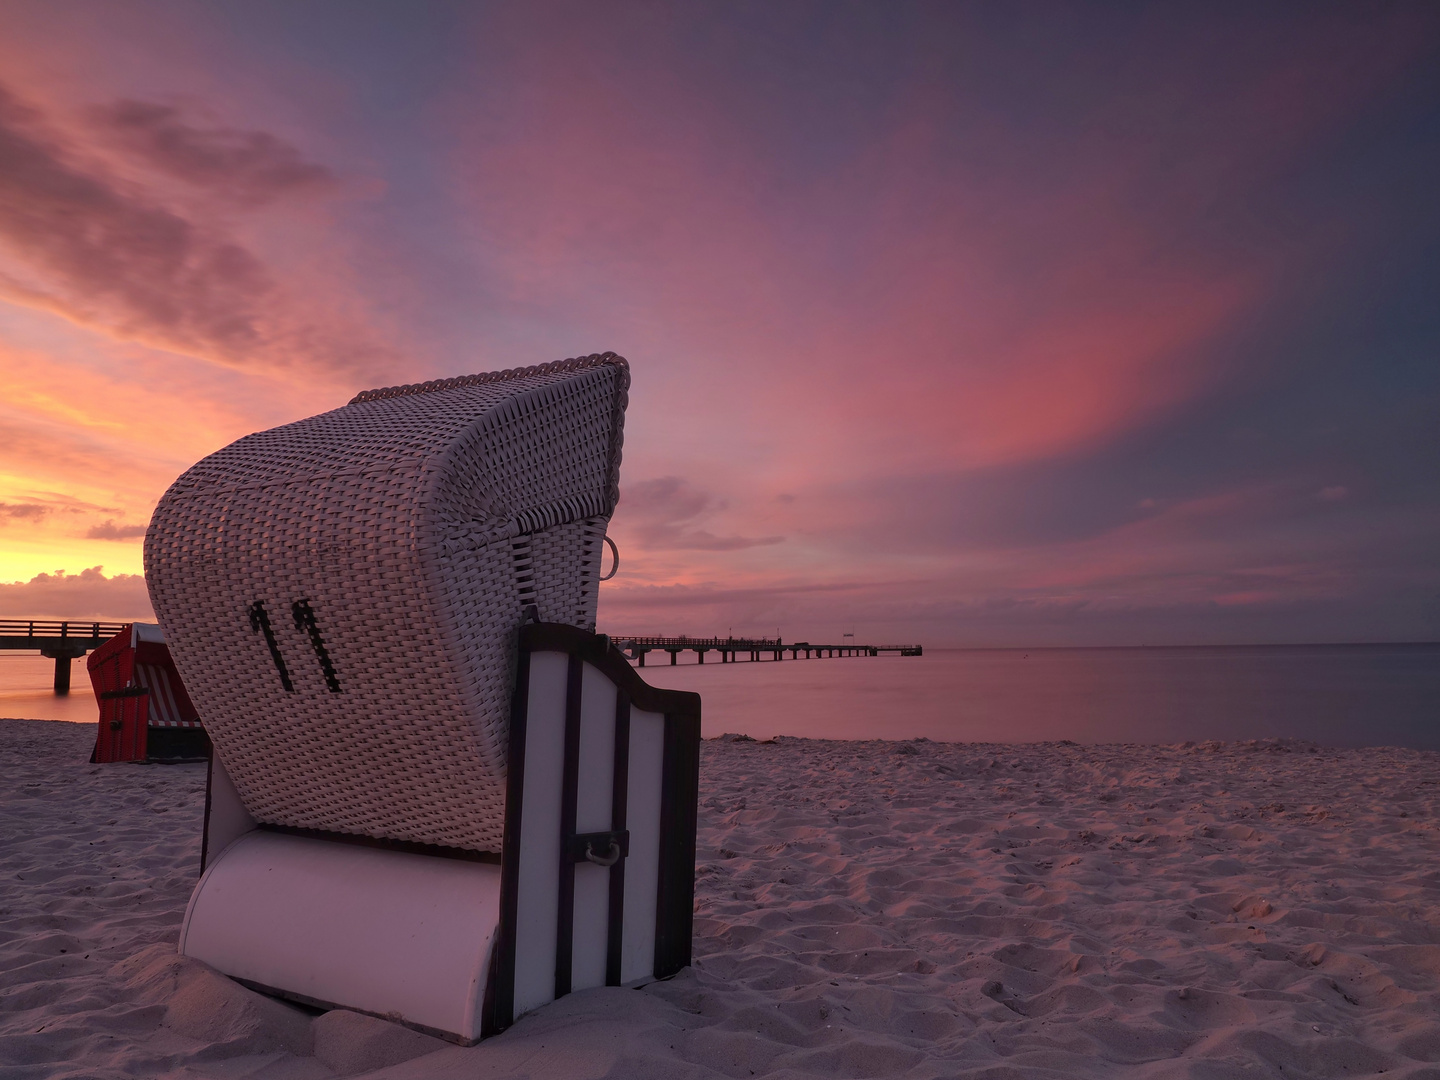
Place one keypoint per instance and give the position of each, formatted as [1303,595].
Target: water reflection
[1339,695]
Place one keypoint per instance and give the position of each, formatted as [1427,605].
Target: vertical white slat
[597,752]
[642,868]
[592,814]
[539,877]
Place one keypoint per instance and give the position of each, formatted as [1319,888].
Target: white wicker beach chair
[420,806]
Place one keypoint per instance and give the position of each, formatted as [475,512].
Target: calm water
[1341,695]
[25,689]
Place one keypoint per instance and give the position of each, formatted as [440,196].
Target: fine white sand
[863,910]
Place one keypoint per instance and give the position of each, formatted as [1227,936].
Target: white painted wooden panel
[379,931]
[642,868]
[592,926]
[594,791]
[539,878]
[597,752]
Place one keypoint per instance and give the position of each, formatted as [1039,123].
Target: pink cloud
[94,246]
[108,530]
[251,168]
[939,291]
[666,514]
[88,594]
[117,254]
[22,511]
[907,308]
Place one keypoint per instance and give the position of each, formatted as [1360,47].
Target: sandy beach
[864,909]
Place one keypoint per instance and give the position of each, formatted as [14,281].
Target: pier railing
[57,628]
[60,639]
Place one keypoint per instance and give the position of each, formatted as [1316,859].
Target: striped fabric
[164,709]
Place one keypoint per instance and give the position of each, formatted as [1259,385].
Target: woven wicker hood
[341,594]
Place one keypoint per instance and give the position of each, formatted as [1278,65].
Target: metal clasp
[600,848]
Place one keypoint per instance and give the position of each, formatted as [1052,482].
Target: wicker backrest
[341,594]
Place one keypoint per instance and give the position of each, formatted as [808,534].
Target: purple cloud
[113,254]
[22,511]
[663,514]
[110,531]
[99,247]
[251,168]
[86,595]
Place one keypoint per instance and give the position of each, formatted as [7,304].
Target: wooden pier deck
[753,649]
[62,640]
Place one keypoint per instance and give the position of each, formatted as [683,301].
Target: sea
[1337,695]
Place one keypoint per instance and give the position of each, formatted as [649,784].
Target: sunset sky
[972,324]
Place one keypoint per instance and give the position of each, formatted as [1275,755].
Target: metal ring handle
[616,552]
[610,858]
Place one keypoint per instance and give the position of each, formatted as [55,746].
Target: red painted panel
[137,687]
[124,720]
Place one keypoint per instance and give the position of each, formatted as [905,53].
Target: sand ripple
[1266,909]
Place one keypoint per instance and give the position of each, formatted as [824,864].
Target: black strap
[305,620]
[129,691]
[260,622]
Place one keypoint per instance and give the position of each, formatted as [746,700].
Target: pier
[66,640]
[61,640]
[731,649]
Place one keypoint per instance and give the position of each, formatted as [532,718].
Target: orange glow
[865,306]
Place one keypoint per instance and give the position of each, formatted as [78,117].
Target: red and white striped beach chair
[436,793]
[145,713]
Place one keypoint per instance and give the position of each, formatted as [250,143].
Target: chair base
[594,886]
[403,936]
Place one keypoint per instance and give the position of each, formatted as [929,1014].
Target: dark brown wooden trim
[597,650]
[679,804]
[499,1008]
[679,793]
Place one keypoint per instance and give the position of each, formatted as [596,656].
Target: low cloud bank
[111,531]
[86,595]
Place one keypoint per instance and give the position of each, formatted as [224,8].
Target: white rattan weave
[412,527]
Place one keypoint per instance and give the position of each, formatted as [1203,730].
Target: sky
[965,324]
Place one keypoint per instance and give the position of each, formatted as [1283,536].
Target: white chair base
[386,932]
[594,886]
